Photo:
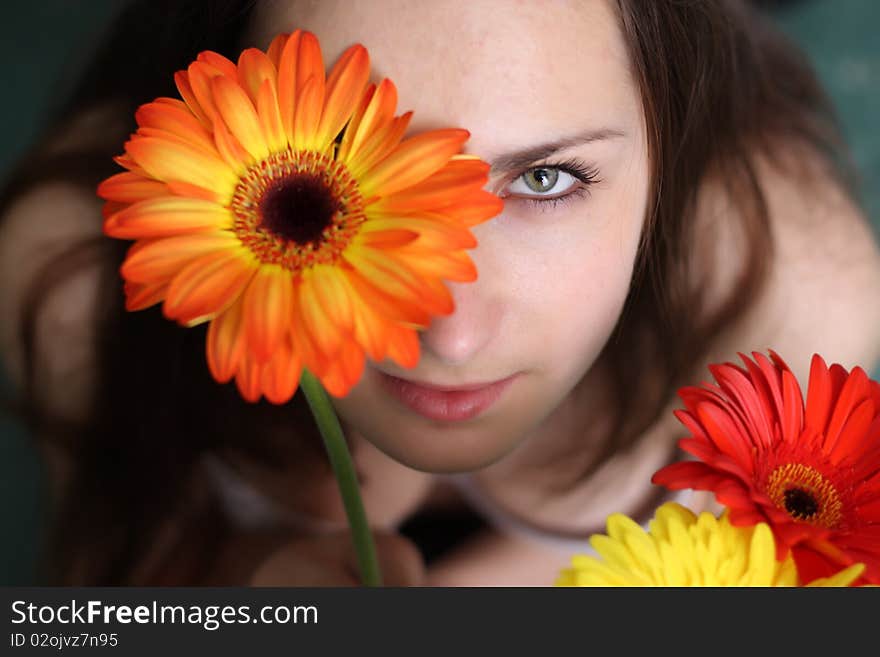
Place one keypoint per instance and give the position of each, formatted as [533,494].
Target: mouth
[454,403]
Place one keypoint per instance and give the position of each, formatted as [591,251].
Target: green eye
[541,181]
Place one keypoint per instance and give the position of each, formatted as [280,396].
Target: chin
[442,459]
[435,447]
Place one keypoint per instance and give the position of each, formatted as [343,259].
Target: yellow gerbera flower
[284,207]
[682,549]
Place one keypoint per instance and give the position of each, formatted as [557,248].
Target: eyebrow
[521,159]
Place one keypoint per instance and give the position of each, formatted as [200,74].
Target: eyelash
[580,170]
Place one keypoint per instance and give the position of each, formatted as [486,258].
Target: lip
[445,403]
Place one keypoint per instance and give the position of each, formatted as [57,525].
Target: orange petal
[403,346]
[308,113]
[176,119]
[230,149]
[435,232]
[385,306]
[166,161]
[345,85]
[267,308]
[139,296]
[334,294]
[207,286]
[273,52]
[344,371]
[194,191]
[412,161]
[165,216]
[270,117]
[281,375]
[161,259]
[164,135]
[219,62]
[311,356]
[473,208]
[376,111]
[322,332]
[450,265]
[377,146]
[399,281]
[441,189]
[254,68]
[370,331]
[200,76]
[225,343]
[300,61]
[111,208]
[127,187]
[240,116]
[181,79]
[248,379]
[287,53]
[387,239]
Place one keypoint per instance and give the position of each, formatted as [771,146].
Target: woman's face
[547,95]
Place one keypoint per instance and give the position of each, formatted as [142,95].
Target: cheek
[576,294]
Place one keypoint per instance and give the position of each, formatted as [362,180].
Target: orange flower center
[297,209]
[805,494]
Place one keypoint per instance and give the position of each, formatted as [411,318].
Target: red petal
[854,390]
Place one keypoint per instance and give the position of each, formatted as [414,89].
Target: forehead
[509,71]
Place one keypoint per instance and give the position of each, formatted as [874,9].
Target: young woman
[675,191]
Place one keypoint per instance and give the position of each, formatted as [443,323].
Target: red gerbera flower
[811,472]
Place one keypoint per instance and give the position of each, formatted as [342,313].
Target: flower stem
[343,468]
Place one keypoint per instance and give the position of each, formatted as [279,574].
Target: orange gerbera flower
[811,472]
[284,207]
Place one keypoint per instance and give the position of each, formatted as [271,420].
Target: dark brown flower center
[800,504]
[805,494]
[298,208]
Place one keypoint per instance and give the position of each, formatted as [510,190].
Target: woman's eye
[542,182]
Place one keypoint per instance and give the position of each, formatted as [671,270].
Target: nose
[458,338]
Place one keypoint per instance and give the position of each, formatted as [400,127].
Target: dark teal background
[44,43]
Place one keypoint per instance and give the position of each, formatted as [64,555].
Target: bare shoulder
[821,294]
[37,231]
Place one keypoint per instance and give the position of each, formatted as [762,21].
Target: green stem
[343,468]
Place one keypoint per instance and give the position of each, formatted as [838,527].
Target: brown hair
[717,83]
